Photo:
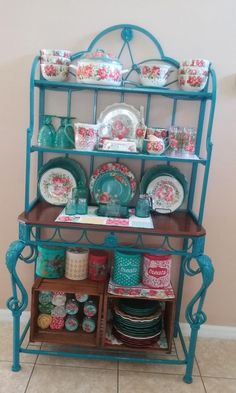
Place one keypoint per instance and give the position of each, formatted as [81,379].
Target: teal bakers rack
[183,227]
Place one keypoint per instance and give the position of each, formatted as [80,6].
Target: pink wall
[185,29]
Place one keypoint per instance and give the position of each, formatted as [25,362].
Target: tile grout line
[26,388]
[200,374]
[118,376]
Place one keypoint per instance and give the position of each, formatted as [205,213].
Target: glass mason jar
[143,206]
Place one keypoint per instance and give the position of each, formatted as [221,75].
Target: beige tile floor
[214,372]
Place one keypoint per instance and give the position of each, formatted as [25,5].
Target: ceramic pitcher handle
[67,135]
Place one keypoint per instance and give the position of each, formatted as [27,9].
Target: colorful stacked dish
[57,178]
[166,185]
[112,182]
[136,322]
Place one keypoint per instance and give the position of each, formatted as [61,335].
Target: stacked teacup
[54,64]
[193,74]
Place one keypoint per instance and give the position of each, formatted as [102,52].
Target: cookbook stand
[180,233]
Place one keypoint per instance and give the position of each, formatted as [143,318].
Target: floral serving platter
[167,193]
[55,185]
[112,181]
[122,119]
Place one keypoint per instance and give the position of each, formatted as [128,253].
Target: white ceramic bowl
[192,82]
[54,72]
[195,63]
[193,71]
[154,75]
[55,52]
[54,60]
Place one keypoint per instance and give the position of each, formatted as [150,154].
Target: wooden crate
[93,289]
[168,322]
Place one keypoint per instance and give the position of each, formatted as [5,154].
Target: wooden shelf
[94,288]
[175,224]
[79,337]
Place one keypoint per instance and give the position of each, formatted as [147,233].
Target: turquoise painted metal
[192,248]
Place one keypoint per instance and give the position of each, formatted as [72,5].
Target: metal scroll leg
[17,303]
[196,319]
[16,342]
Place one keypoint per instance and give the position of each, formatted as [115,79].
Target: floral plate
[55,185]
[112,182]
[122,120]
[167,193]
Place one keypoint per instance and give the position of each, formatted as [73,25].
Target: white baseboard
[212,331]
[207,331]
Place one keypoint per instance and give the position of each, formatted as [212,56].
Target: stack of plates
[137,323]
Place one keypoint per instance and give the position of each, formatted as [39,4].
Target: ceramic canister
[88,325]
[98,265]
[156,270]
[90,308]
[71,323]
[76,264]
[127,268]
[50,262]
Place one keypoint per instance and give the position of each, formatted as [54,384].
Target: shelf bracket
[194,314]
[18,302]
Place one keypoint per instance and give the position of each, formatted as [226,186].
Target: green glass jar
[47,133]
[65,138]
[80,195]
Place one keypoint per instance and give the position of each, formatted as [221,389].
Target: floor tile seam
[196,361]
[22,361]
[157,372]
[74,366]
[211,377]
[27,385]
[118,377]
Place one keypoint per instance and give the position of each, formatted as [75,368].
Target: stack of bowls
[54,64]
[193,74]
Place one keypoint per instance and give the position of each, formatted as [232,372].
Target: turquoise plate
[158,170]
[112,182]
[112,187]
[65,163]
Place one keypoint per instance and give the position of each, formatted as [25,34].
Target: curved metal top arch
[127,36]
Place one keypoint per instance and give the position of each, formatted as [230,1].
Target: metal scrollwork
[205,267]
[18,303]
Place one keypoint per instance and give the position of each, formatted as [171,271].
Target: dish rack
[180,233]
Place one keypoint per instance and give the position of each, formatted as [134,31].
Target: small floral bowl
[195,63]
[86,136]
[193,71]
[154,75]
[44,59]
[55,52]
[192,82]
[54,72]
